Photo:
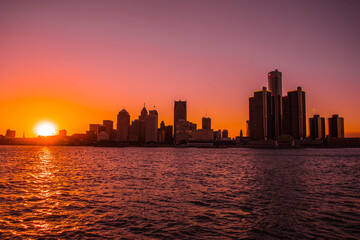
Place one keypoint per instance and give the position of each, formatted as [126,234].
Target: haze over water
[171,193]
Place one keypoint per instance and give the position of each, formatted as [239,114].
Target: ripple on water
[169,193]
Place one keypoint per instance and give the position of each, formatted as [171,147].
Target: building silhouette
[184,131]
[151,128]
[179,114]
[336,126]
[275,86]
[165,133]
[62,133]
[123,125]
[142,124]
[317,127]
[294,112]
[225,133]
[206,123]
[109,125]
[10,133]
[94,128]
[260,123]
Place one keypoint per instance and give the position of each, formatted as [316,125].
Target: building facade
[275,86]
[260,118]
[317,127]
[336,126]
[151,126]
[180,113]
[206,123]
[295,114]
[123,125]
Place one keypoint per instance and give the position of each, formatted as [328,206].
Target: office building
[123,125]
[10,133]
[184,131]
[260,118]
[165,133]
[206,123]
[217,135]
[317,127]
[94,128]
[151,126]
[295,114]
[62,133]
[275,86]
[202,135]
[225,133]
[336,126]
[179,114]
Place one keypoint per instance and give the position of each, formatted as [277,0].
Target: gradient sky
[79,62]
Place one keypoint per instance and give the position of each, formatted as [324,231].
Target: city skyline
[103,57]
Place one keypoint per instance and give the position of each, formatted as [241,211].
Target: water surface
[171,193]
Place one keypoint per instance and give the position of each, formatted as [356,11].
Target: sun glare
[45,129]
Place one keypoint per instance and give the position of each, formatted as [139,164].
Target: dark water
[168,193]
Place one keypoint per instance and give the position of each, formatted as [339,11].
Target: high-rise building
[275,86]
[143,113]
[295,114]
[179,114]
[184,131]
[109,125]
[260,118]
[336,126]
[10,133]
[165,133]
[134,131]
[206,123]
[62,133]
[123,125]
[151,126]
[94,128]
[225,133]
[217,135]
[317,127]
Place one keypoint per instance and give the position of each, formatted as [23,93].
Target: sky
[80,62]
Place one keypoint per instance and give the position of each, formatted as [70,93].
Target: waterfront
[172,193]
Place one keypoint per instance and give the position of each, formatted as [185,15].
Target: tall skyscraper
[179,113]
[206,123]
[151,126]
[260,119]
[317,127]
[109,125]
[295,112]
[142,124]
[275,86]
[336,126]
[123,125]
[94,128]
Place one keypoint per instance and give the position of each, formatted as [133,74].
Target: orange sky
[75,64]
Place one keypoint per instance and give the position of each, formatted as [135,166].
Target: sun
[45,128]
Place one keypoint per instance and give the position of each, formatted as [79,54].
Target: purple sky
[104,55]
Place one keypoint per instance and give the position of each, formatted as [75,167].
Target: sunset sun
[45,128]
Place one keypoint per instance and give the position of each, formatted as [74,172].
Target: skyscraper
[317,127]
[206,123]
[336,126]
[142,124]
[295,112]
[179,113]
[151,126]
[109,125]
[260,119]
[123,125]
[275,86]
